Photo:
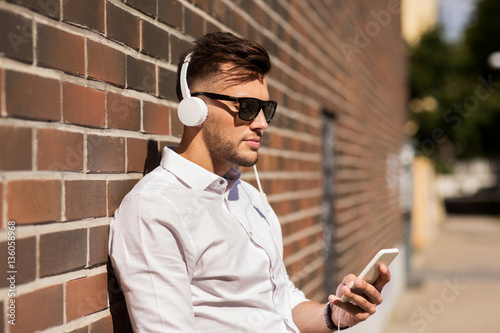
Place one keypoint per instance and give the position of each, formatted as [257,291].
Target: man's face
[229,139]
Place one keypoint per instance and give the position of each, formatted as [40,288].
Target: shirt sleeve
[296,295]
[149,257]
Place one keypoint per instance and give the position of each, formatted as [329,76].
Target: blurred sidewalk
[460,281]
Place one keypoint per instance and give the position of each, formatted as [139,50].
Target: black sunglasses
[249,107]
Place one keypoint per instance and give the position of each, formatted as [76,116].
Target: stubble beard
[222,148]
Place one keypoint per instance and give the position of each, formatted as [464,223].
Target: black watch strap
[328,318]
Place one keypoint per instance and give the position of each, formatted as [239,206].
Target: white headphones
[192,111]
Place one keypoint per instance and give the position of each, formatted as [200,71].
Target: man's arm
[151,265]
[309,315]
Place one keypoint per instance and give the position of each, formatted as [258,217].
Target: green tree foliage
[455,94]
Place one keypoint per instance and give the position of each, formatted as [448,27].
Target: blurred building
[87,103]
[418,17]
[425,214]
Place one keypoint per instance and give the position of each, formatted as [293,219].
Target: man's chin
[246,161]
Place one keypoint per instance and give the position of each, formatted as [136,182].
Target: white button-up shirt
[195,252]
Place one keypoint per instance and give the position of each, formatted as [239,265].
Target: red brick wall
[87,102]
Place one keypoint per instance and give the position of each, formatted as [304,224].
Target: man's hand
[363,303]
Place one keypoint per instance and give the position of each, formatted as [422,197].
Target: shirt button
[221,182]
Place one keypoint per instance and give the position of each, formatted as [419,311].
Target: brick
[85,199]
[156,118]
[155,41]
[105,63]
[117,189]
[59,150]
[2,223]
[33,97]
[2,317]
[194,24]
[259,15]
[177,48]
[15,150]
[141,75]
[123,112]
[87,13]
[98,245]
[39,310]
[33,201]
[86,296]
[63,251]
[222,12]
[171,13]
[211,27]
[48,8]
[103,325]
[82,105]
[240,25]
[137,151]
[142,155]
[105,154]
[16,40]
[167,81]
[146,6]
[84,329]
[176,127]
[25,261]
[61,50]
[122,26]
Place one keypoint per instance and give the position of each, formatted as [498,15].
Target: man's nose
[260,121]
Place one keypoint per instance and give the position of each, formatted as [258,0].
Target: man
[197,249]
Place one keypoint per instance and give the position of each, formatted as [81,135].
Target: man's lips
[253,142]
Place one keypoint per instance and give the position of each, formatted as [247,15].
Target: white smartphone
[371,272]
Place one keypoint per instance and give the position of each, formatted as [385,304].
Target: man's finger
[384,278]
[363,294]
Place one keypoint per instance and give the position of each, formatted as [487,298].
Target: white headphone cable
[257,177]
[338,324]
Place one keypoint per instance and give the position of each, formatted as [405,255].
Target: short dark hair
[249,59]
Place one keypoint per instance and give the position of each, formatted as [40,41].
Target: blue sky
[454,16]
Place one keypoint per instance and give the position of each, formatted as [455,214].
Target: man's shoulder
[157,192]
[156,181]
[154,188]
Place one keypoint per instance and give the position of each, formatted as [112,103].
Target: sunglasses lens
[249,108]
[269,110]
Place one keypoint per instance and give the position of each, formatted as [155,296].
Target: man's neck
[199,155]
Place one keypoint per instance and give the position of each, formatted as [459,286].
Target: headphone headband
[192,111]
[186,93]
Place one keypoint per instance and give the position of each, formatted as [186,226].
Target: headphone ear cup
[192,111]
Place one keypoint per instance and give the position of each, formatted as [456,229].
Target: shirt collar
[196,177]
